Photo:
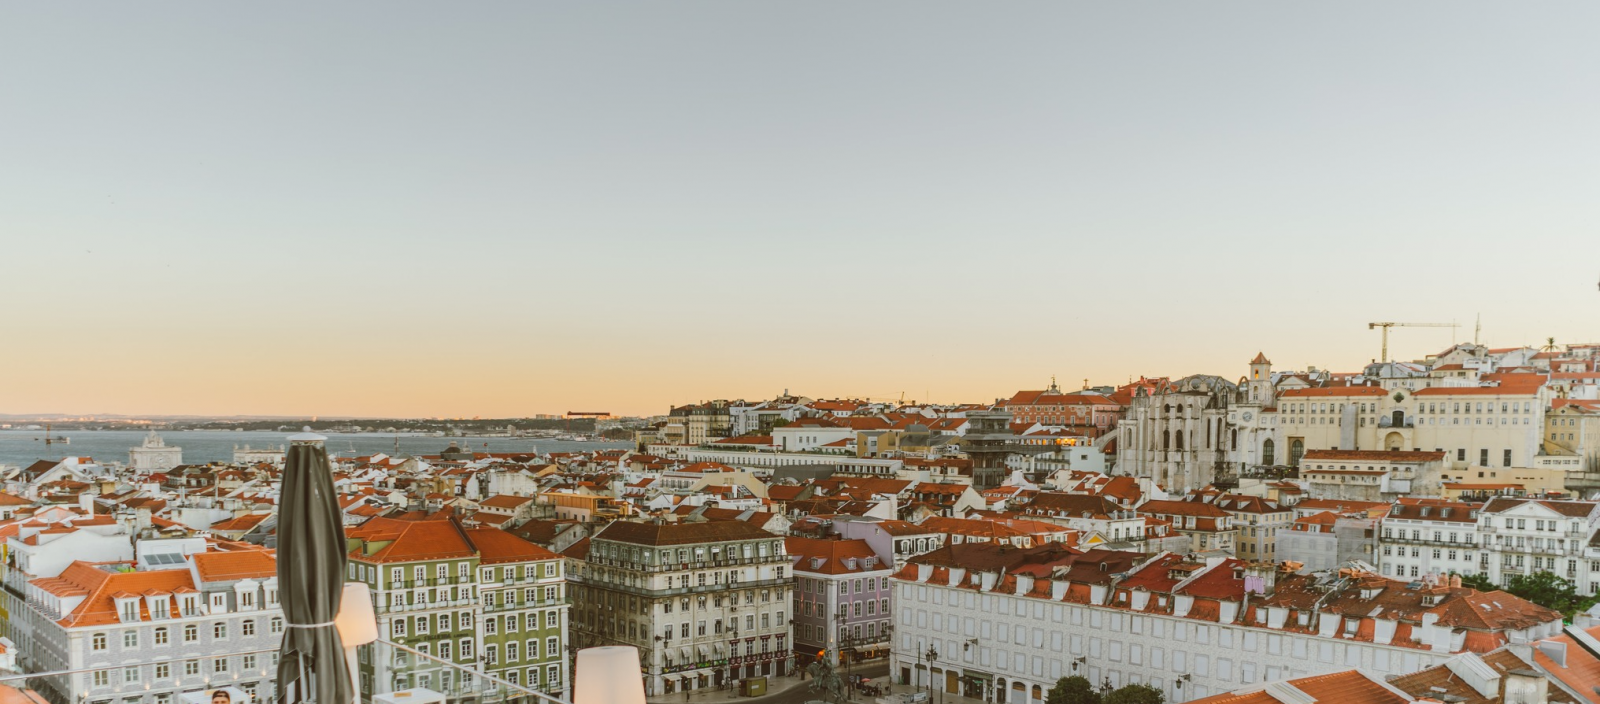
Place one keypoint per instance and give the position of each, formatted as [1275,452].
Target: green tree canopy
[1135,694]
[1476,581]
[1072,690]
[1542,588]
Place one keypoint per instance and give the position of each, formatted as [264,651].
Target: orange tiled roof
[240,564]
[99,608]
[496,546]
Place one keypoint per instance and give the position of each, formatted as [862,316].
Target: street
[795,694]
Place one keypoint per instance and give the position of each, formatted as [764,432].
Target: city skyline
[1065,382]
[534,209]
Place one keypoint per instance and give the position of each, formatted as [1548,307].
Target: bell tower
[1261,380]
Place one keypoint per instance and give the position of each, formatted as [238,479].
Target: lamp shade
[356,623]
[608,675]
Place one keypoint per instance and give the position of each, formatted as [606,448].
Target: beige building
[1372,475]
[1207,526]
[1572,433]
[1258,522]
[1489,426]
[705,603]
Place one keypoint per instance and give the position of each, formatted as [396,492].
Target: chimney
[86,503]
[1455,581]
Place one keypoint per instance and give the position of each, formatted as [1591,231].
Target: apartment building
[1207,526]
[181,618]
[1572,435]
[1258,521]
[705,603]
[1005,631]
[474,596]
[1521,536]
[525,607]
[1098,518]
[1500,425]
[1420,537]
[1497,539]
[841,599]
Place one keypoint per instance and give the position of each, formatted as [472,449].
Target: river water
[23,447]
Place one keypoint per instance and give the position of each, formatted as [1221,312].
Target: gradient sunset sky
[508,208]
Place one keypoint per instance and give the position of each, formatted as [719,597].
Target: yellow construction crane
[1386,327]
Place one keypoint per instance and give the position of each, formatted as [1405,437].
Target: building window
[191,633]
[97,641]
[130,639]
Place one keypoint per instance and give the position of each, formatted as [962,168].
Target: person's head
[221,697]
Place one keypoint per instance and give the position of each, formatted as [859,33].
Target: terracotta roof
[238,564]
[1374,456]
[1335,391]
[1440,681]
[1341,506]
[680,533]
[1347,687]
[245,522]
[504,501]
[1581,672]
[837,556]
[1181,508]
[1575,509]
[417,539]
[99,585]
[1072,505]
[1525,389]
[496,546]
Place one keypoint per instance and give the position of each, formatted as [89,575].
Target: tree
[1476,581]
[1135,694]
[1072,690]
[1549,591]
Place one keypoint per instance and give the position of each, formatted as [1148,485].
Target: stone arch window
[1267,448]
[1166,440]
[1297,449]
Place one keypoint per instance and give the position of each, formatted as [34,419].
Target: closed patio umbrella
[311,566]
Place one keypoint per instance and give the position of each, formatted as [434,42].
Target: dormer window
[128,609]
[219,603]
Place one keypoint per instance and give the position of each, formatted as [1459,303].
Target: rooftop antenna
[1477,327]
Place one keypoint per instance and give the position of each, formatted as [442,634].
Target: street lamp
[838,653]
[933,655]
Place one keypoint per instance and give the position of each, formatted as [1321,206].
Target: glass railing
[387,673]
[390,672]
[247,676]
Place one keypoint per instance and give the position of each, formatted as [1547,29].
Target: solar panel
[164,558]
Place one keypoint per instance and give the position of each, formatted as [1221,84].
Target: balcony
[383,668]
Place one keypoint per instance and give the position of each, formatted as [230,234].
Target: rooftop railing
[386,672]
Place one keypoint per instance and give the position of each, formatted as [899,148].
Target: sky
[505,208]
